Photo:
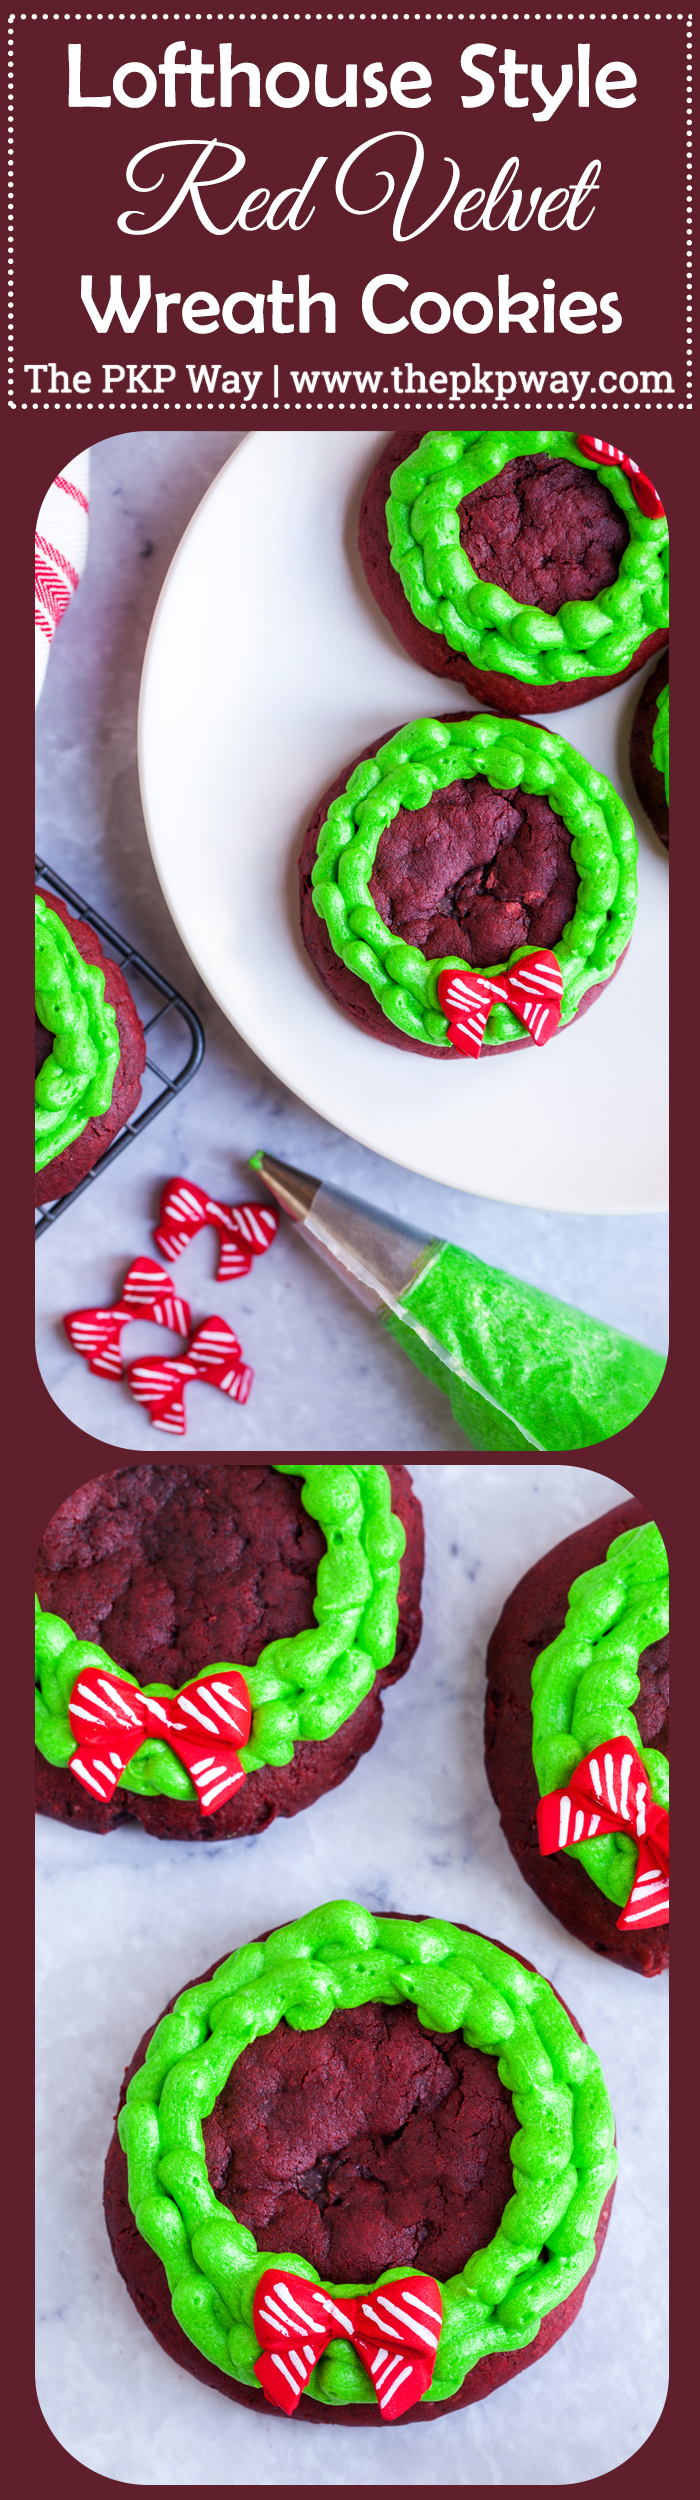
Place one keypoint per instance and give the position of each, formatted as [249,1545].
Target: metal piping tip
[294,1191]
[376,1254]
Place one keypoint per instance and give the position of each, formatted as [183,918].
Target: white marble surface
[325,1378]
[124,1922]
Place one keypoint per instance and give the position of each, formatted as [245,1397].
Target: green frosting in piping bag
[587,637]
[585,1682]
[76,1082]
[563,2155]
[659,743]
[301,1688]
[521,1370]
[428,755]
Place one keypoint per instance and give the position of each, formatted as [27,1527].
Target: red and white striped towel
[60,549]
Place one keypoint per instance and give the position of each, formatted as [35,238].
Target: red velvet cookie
[476,873]
[648,780]
[61,1175]
[546,531]
[370,2143]
[532,1618]
[175,1569]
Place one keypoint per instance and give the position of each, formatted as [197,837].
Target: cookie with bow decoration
[530,564]
[465,873]
[288,2046]
[577,1735]
[247,1525]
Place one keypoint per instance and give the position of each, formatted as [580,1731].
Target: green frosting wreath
[304,1687]
[426,756]
[585,1682]
[587,637]
[563,2156]
[76,1082]
[660,736]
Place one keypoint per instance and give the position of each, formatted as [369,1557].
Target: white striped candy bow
[395,2329]
[158,1381]
[146,1293]
[204,1724]
[244,1232]
[594,448]
[610,1792]
[532,989]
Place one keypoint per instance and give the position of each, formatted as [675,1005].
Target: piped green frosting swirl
[76,1082]
[563,2155]
[301,1688]
[659,742]
[585,1682]
[426,756]
[587,637]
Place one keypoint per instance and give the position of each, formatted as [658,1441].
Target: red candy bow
[533,989]
[111,1719]
[644,493]
[146,1293]
[395,2330]
[610,1792]
[244,1232]
[214,1354]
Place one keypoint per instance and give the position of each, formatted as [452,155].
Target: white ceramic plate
[267,669]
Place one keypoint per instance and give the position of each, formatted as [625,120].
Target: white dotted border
[11,401]
[134,406]
[689,211]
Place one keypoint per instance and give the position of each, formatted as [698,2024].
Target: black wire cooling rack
[183,1030]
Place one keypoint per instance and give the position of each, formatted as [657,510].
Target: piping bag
[522,1371]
